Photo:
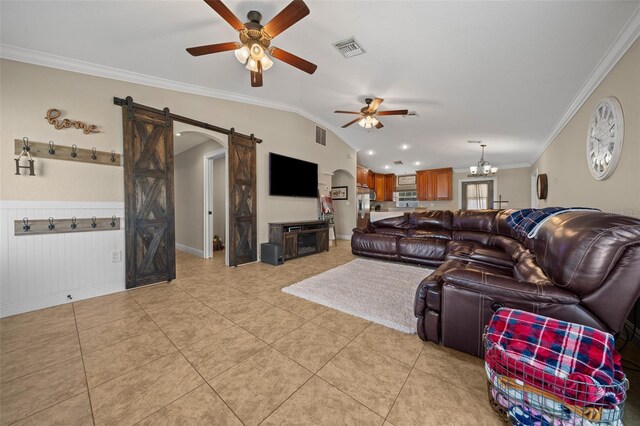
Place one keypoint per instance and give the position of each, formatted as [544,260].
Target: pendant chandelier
[483,168]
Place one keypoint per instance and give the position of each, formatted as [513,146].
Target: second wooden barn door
[149,209]
[242,200]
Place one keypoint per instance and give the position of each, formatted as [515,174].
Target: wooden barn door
[242,200]
[149,212]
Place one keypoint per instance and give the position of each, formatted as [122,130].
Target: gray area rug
[377,291]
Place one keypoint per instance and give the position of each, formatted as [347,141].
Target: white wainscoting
[38,271]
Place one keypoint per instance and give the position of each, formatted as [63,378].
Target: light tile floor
[225,346]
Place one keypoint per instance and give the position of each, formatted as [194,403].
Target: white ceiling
[501,72]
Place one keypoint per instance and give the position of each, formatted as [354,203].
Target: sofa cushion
[396,232]
[422,233]
[431,220]
[579,249]
[474,220]
[422,248]
[376,245]
[401,221]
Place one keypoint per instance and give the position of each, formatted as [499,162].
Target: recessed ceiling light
[178,134]
[417,163]
[386,166]
[405,146]
[370,152]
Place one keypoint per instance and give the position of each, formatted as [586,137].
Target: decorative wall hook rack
[24,149]
[60,152]
[27,226]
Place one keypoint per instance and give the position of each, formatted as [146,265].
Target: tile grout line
[192,366]
[404,383]
[84,368]
[314,374]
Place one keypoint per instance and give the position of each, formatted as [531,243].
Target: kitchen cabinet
[434,184]
[389,186]
[384,185]
[361,176]
[371,179]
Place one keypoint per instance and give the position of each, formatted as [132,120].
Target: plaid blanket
[527,222]
[576,363]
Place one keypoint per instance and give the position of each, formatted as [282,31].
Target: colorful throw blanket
[578,364]
[527,222]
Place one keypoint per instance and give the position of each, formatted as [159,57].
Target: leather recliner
[582,267]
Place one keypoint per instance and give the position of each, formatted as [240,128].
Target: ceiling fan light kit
[255,39]
[368,114]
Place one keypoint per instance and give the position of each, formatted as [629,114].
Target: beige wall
[345,210]
[564,161]
[189,194]
[28,91]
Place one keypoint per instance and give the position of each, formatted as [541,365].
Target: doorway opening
[477,194]
[215,202]
[200,187]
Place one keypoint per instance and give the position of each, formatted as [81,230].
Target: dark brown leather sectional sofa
[582,267]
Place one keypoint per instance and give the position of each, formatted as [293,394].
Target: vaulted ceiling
[501,72]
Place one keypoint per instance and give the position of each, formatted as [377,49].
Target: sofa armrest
[502,286]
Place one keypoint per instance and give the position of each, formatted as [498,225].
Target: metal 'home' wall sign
[52,117]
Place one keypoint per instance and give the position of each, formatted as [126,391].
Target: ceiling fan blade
[225,13]
[379,125]
[293,60]
[212,48]
[394,112]
[347,112]
[352,122]
[373,106]
[256,76]
[295,11]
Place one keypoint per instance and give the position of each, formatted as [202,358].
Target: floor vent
[349,47]
[398,163]
[321,136]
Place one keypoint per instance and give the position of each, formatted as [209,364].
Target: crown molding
[44,59]
[626,37]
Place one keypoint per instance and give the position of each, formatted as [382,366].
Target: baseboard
[190,250]
[344,237]
[59,298]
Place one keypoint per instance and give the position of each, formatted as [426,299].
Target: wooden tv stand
[300,238]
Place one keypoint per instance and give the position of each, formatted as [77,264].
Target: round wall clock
[604,140]
[542,185]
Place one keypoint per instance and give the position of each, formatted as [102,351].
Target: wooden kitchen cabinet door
[371,179]
[389,186]
[442,185]
[421,184]
[379,187]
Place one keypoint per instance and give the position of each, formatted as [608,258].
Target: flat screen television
[291,177]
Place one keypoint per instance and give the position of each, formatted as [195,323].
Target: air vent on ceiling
[398,163]
[474,141]
[411,114]
[349,47]
[321,136]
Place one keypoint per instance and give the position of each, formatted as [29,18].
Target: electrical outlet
[116,256]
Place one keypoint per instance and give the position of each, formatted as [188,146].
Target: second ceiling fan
[368,114]
[255,39]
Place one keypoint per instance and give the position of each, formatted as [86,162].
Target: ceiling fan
[368,114]
[255,39]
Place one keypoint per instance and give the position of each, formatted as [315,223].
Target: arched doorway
[345,210]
